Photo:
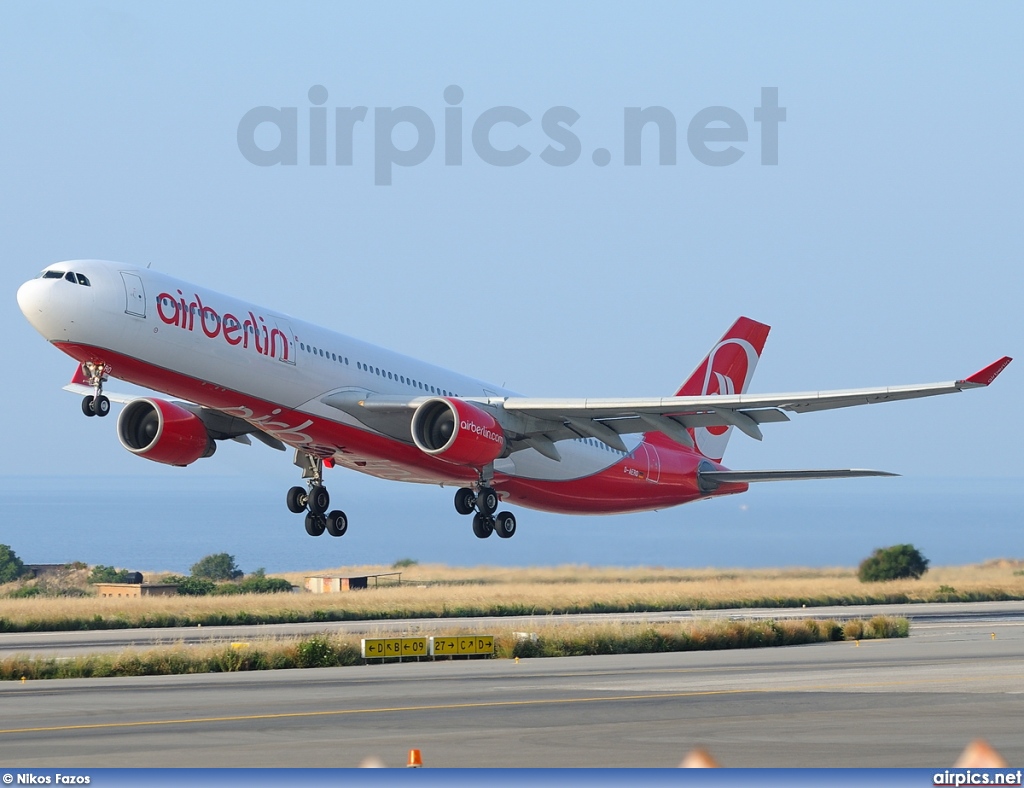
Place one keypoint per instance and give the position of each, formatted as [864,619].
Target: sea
[160,523]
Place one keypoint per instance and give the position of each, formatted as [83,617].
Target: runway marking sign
[443,647]
[393,648]
[397,648]
[462,645]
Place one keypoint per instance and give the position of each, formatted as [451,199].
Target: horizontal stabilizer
[723,477]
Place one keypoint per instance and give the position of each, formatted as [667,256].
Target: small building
[136,589]
[45,570]
[329,584]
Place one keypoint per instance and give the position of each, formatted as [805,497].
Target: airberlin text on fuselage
[476,429]
[174,311]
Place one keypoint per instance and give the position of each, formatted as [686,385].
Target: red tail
[732,361]
[727,369]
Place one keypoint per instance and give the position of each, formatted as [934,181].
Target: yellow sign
[444,647]
[464,644]
[414,647]
[392,648]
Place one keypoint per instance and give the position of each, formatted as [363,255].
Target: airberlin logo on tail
[730,365]
[267,341]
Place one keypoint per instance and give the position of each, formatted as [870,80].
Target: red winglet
[79,376]
[989,373]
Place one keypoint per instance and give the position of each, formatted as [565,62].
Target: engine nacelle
[457,432]
[163,432]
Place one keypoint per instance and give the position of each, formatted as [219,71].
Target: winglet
[988,374]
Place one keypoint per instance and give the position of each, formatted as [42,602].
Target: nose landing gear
[95,404]
[315,500]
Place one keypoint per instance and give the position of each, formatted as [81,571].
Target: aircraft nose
[33,298]
[42,307]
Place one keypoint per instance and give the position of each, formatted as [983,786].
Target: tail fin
[727,369]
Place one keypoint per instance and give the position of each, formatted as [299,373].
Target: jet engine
[163,432]
[457,432]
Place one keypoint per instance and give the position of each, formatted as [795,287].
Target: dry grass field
[551,640]
[440,591]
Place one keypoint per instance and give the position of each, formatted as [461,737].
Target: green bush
[404,563]
[192,586]
[892,563]
[25,592]
[256,583]
[217,567]
[317,652]
[108,574]
[259,583]
[11,567]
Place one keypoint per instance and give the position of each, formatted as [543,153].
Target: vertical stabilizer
[727,369]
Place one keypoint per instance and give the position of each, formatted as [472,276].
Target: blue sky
[885,247]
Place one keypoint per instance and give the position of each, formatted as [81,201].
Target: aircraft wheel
[483,525]
[465,500]
[87,406]
[505,525]
[315,524]
[296,500]
[319,499]
[101,405]
[337,523]
[488,501]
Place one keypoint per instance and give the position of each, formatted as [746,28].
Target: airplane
[238,371]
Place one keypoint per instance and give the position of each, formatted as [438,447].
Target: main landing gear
[315,500]
[95,404]
[484,501]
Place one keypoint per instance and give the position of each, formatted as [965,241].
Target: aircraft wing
[220,425]
[674,415]
[113,396]
[539,423]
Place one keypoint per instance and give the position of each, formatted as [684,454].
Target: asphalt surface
[909,702]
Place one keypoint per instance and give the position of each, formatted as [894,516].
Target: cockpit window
[71,276]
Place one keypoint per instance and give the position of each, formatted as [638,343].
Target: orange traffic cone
[980,755]
[415,760]
[699,758]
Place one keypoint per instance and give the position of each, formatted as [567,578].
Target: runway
[911,702]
